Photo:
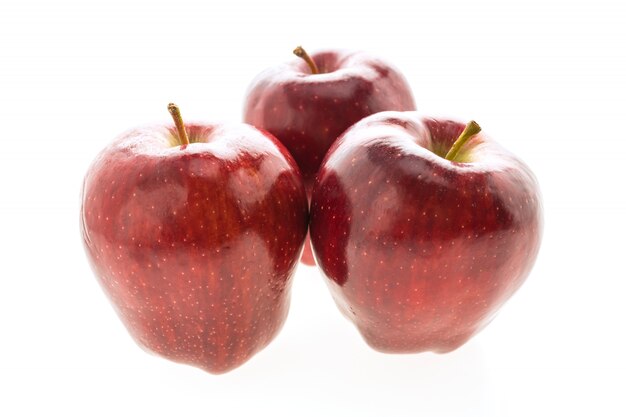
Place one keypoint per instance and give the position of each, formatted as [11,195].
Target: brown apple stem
[301,53]
[470,130]
[178,121]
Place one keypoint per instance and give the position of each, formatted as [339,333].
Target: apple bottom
[211,361]
[215,315]
[415,307]
[397,343]
[422,331]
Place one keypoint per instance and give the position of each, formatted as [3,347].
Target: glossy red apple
[421,241]
[307,103]
[196,243]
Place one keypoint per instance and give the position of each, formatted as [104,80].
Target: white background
[545,78]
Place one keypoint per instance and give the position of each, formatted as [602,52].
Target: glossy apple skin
[196,245]
[307,112]
[420,252]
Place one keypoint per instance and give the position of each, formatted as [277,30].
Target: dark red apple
[421,241]
[307,103]
[194,234]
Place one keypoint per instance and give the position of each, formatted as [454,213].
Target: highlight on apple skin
[194,233]
[423,228]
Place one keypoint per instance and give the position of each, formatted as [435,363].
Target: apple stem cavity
[471,129]
[178,121]
[301,53]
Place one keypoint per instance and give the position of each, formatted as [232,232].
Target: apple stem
[301,53]
[471,129]
[178,121]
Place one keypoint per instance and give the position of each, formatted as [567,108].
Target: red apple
[307,103]
[194,234]
[421,241]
